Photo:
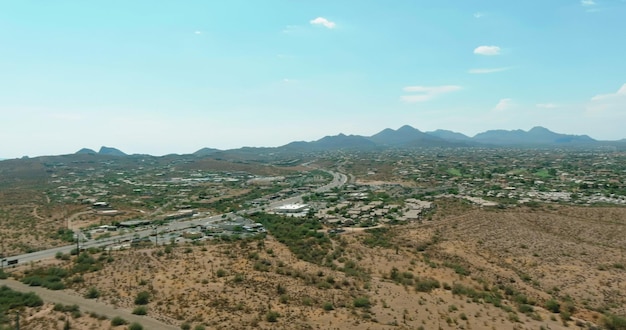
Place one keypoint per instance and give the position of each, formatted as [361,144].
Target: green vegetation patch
[378,237]
[10,299]
[454,172]
[300,235]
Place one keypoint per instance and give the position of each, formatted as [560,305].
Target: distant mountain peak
[87,151]
[407,128]
[110,151]
[539,129]
[535,136]
[403,136]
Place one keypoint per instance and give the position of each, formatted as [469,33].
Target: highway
[339,180]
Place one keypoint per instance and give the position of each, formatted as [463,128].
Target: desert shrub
[220,273]
[199,327]
[10,299]
[116,321]
[185,326]
[140,310]
[525,308]
[328,306]
[272,316]
[362,302]
[92,293]
[135,326]
[553,306]
[459,269]
[142,298]
[426,284]
[614,322]
[239,278]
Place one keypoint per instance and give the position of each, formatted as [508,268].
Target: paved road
[339,180]
[87,305]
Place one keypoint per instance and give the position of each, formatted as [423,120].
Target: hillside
[461,269]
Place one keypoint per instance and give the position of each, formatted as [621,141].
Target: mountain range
[410,137]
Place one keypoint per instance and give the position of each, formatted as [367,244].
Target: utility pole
[77,245]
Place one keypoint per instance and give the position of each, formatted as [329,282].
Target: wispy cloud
[324,22]
[487,70]
[547,105]
[426,93]
[487,50]
[609,103]
[587,3]
[620,93]
[290,29]
[197,32]
[479,15]
[503,105]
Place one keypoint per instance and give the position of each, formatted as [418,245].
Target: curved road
[339,180]
[65,298]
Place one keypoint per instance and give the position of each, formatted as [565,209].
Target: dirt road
[87,305]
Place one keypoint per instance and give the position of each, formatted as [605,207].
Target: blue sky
[163,77]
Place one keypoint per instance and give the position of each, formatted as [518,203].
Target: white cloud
[487,70]
[487,50]
[587,3]
[426,93]
[198,32]
[547,105]
[504,104]
[323,21]
[621,92]
[478,15]
[608,103]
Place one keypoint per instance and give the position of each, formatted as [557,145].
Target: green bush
[525,308]
[426,284]
[92,293]
[143,298]
[10,299]
[118,321]
[614,322]
[553,306]
[362,302]
[272,316]
[135,326]
[140,310]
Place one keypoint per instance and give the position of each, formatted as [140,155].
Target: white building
[292,208]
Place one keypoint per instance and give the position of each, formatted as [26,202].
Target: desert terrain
[467,268]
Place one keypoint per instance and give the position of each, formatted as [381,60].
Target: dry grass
[571,254]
